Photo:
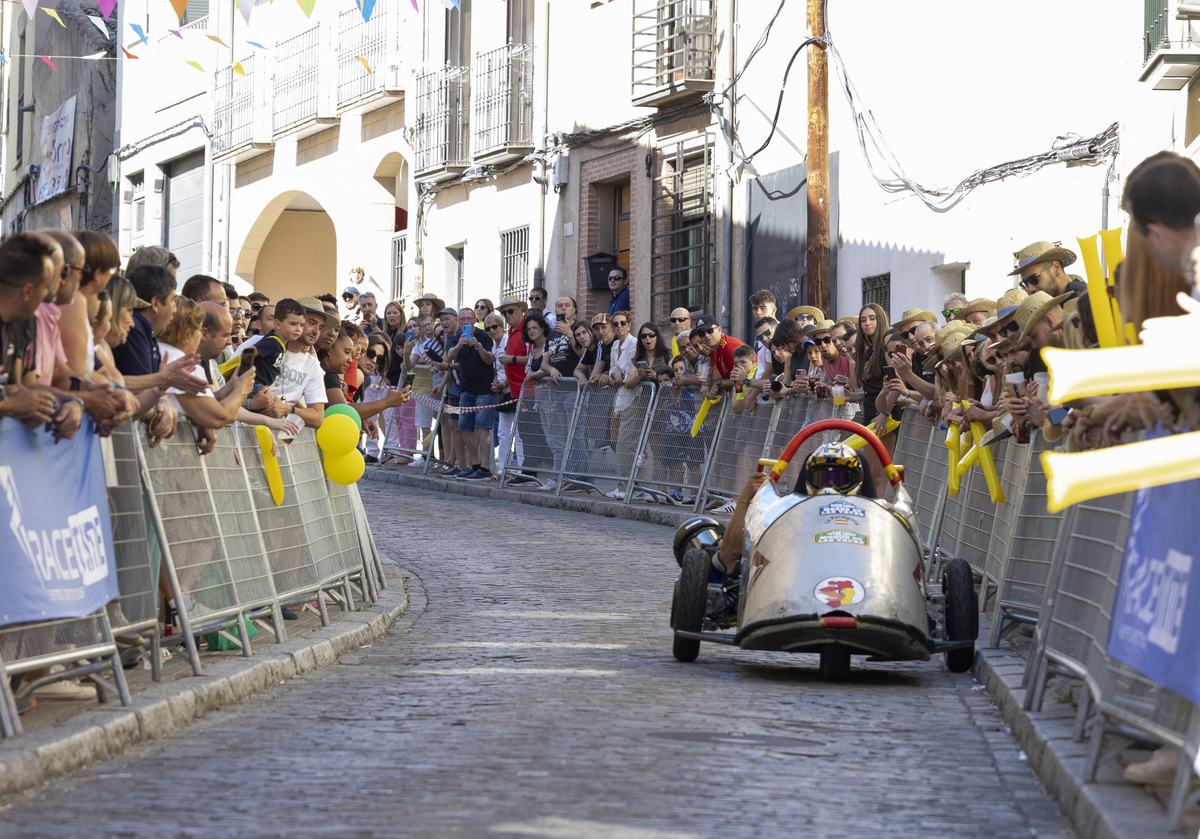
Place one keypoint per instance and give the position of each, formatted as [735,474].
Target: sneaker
[417,461]
[464,472]
[616,493]
[640,495]
[371,459]
[479,474]
[289,614]
[727,507]
[66,689]
[1159,769]
[549,486]
[520,478]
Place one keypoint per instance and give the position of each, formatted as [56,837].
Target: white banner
[58,130]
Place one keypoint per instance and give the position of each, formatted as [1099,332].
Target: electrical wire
[762,42]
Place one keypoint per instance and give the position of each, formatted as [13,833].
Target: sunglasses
[645,336]
[991,360]
[612,277]
[374,356]
[507,312]
[908,333]
[493,326]
[949,313]
[533,298]
[703,333]
[68,268]
[825,340]
[1012,329]
[347,296]
[680,320]
[1032,279]
[256,307]
[620,323]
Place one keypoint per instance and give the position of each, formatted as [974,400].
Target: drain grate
[762,741]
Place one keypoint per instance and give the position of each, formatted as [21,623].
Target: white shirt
[765,369]
[300,380]
[622,359]
[168,354]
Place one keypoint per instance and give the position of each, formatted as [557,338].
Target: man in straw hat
[1040,268]
[921,339]
[806,315]
[978,310]
[1039,316]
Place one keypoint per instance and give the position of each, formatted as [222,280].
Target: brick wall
[596,177]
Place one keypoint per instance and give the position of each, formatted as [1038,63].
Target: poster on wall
[58,130]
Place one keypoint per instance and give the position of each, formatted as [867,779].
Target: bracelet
[72,399]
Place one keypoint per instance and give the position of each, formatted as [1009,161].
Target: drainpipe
[726,75]
[540,269]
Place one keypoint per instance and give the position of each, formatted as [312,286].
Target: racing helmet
[833,467]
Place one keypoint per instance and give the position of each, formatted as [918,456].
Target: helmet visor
[831,477]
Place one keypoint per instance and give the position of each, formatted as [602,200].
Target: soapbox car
[838,575]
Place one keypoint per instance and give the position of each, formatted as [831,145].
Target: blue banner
[56,546]
[1156,615]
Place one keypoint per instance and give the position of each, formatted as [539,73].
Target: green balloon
[348,411]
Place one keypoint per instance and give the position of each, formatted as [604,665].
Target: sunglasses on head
[949,313]
[680,320]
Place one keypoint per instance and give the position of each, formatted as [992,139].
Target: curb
[1108,808]
[598,506]
[110,730]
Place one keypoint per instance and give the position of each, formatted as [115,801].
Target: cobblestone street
[530,691]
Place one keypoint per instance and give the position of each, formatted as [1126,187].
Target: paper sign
[58,132]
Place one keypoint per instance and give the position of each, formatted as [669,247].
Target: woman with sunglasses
[551,361]
[373,365]
[483,308]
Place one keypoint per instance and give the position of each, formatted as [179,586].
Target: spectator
[845,336]
[681,321]
[335,361]
[350,295]
[910,320]
[538,298]
[375,387]
[720,351]
[806,315]
[483,308]
[978,310]
[762,305]
[155,256]
[921,340]
[953,305]
[1040,318]
[869,362]
[602,334]
[367,309]
[100,262]
[202,288]
[686,344]
[258,301]
[473,353]
[429,304]
[422,351]
[552,362]
[1162,197]
[618,284]
[565,313]
[454,454]
[300,388]
[494,326]
[1040,267]
[652,357]
[744,363]
[231,296]
[835,368]
[26,270]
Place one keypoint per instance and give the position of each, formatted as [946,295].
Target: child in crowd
[289,326]
[745,360]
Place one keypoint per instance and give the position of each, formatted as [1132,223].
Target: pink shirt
[840,367]
[50,353]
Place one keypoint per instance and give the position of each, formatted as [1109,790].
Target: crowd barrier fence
[226,553]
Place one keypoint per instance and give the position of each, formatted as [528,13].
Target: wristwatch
[3,393]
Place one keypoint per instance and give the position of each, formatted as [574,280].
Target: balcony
[1169,63]
[673,50]
[376,40]
[233,108]
[442,123]
[295,82]
[503,104]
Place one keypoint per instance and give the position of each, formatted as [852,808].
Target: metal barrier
[739,441]
[678,457]
[409,430]
[912,450]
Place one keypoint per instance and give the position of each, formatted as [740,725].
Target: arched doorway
[291,249]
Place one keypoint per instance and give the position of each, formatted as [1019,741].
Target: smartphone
[248,356]
[889,372]
[1057,415]
[409,334]
[468,331]
[642,365]
[408,379]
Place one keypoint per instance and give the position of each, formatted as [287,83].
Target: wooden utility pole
[818,290]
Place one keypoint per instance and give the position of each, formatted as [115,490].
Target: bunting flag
[306,6]
[245,9]
[218,40]
[176,33]
[106,7]
[137,30]
[238,68]
[3,59]
[415,6]
[46,58]
[96,56]
[195,64]
[99,22]
[450,4]
[180,7]
[128,54]
[257,45]
[30,8]
[364,63]
[54,15]
[366,7]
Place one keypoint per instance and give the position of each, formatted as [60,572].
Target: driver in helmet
[833,469]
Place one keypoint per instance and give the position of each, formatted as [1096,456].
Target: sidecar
[828,574]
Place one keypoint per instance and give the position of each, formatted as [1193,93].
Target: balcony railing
[673,49]
[442,122]
[503,101]
[376,40]
[295,86]
[233,107]
[1156,28]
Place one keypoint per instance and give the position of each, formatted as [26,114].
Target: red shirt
[722,355]
[840,367]
[515,346]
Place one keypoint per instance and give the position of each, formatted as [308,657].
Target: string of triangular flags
[366,7]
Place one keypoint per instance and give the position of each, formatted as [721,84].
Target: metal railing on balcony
[378,41]
[442,118]
[1156,28]
[503,99]
[233,107]
[674,46]
[295,83]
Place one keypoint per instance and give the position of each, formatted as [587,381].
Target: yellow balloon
[346,468]
[856,442]
[995,492]
[954,444]
[1075,374]
[337,435]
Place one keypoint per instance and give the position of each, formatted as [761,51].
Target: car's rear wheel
[835,663]
[961,613]
[691,599]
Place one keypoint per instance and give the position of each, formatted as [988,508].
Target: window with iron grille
[681,224]
[878,289]
[514,263]
[399,247]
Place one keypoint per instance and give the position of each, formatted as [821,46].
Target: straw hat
[313,305]
[817,328]
[1041,252]
[979,304]
[1034,307]
[915,316]
[816,313]
[954,327]
[1009,301]
[1069,308]
[849,320]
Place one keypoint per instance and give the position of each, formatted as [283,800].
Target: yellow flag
[54,15]
[364,63]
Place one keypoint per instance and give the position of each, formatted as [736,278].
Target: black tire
[961,613]
[835,663]
[691,599]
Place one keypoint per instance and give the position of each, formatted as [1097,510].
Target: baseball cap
[349,290]
[703,322]
[448,311]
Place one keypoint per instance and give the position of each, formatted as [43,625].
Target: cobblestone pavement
[530,691]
